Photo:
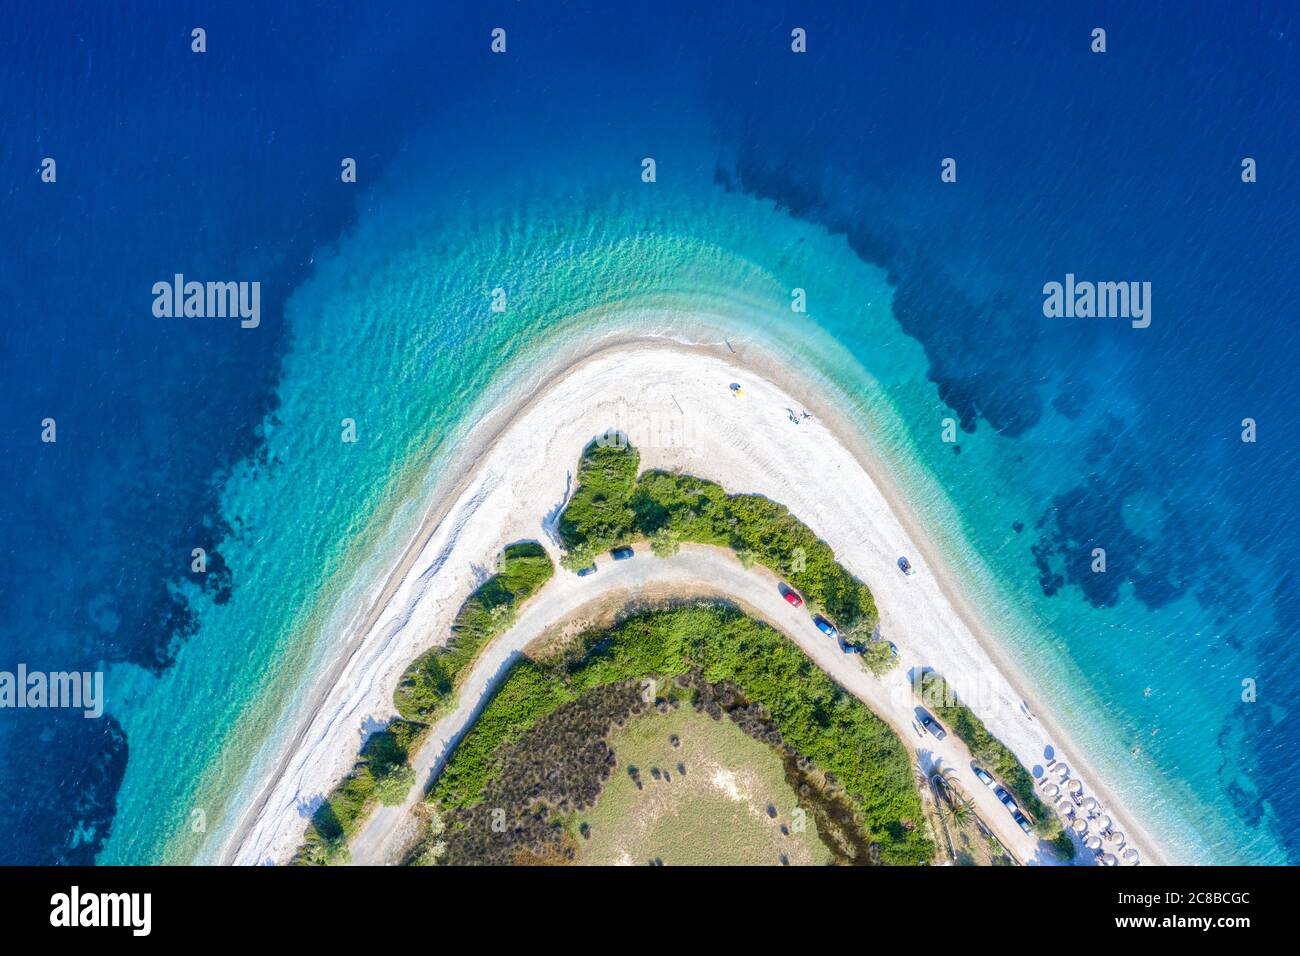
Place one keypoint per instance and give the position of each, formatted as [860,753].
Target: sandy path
[675,405]
[696,571]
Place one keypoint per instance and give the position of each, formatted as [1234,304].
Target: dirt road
[695,571]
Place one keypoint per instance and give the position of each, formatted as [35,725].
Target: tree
[336,853]
[502,616]
[879,657]
[664,543]
[578,557]
[1063,846]
[959,811]
[394,783]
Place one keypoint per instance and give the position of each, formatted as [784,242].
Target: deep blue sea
[1074,433]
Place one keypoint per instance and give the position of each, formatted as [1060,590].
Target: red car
[793,599]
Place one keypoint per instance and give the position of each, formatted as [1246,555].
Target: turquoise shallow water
[775,169]
[923,306]
[395,331]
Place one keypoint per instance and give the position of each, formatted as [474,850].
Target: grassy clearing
[716,812]
[857,751]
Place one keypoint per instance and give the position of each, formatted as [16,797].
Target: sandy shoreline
[745,444]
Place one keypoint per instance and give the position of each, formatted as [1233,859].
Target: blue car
[1007,801]
[622,554]
[931,725]
[589,569]
[825,626]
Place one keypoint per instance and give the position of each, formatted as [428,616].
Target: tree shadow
[551,520]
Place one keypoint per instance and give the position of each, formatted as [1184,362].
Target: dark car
[1007,801]
[852,647]
[589,569]
[825,626]
[983,776]
[622,554]
[930,724]
[1021,819]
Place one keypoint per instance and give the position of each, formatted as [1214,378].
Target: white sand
[675,405]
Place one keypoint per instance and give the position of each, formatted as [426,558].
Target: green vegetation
[995,757]
[611,507]
[377,775]
[878,657]
[968,842]
[578,557]
[383,773]
[600,514]
[392,787]
[664,543]
[857,751]
[428,685]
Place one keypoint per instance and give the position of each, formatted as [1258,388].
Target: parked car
[825,626]
[1021,819]
[1007,801]
[622,554]
[852,647]
[589,569]
[930,724]
[983,776]
[791,597]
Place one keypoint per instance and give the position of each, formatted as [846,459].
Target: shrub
[337,818]
[578,557]
[1063,846]
[993,753]
[612,506]
[814,716]
[599,513]
[382,774]
[428,684]
[395,784]
[664,543]
[879,657]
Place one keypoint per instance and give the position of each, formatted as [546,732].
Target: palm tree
[928,784]
[960,814]
[955,805]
